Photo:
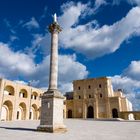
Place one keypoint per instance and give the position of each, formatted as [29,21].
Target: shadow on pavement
[19,128]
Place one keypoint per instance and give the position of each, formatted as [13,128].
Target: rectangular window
[101,95]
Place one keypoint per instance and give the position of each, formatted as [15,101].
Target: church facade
[95,98]
[91,98]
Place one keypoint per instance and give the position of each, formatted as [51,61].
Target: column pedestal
[52,112]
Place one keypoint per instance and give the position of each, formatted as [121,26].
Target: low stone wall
[130,115]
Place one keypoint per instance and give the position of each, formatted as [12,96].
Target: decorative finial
[55,17]
[55,27]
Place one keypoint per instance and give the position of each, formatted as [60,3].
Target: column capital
[55,27]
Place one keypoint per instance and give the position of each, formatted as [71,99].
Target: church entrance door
[90,112]
[114,113]
[69,113]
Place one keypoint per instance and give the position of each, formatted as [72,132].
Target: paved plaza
[77,130]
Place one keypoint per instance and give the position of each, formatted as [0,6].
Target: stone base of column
[51,119]
[52,129]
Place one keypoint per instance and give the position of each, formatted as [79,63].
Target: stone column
[54,30]
[51,119]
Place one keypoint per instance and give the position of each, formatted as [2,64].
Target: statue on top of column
[55,17]
[55,27]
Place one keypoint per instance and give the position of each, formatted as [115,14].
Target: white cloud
[66,87]
[71,13]
[135,2]
[125,83]
[40,45]
[129,81]
[21,82]
[17,66]
[69,70]
[32,24]
[14,63]
[133,70]
[92,41]
[13,38]
[42,42]
[132,2]
[12,30]
[7,23]
[131,89]
[98,3]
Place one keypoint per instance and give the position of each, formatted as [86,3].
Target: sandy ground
[77,130]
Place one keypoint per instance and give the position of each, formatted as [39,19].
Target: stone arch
[34,95]
[33,112]
[131,116]
[19,113]
[22,111]
[9,90]
[69,113]
[23,93]
[114,113]
[90,112]
[7,111]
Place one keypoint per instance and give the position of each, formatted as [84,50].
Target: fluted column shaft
[53,61]
[54,29]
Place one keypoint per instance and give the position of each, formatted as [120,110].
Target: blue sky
[99,38]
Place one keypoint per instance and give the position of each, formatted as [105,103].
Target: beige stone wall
[114,104]
[118,94]
[69,107]
[130,115]
[96,94]
[19,101]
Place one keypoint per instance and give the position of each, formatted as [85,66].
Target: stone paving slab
[77,130]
